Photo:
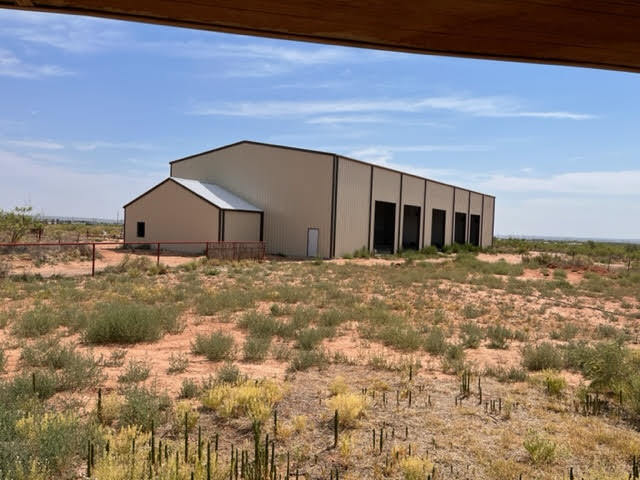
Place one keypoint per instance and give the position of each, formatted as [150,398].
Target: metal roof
[217,195]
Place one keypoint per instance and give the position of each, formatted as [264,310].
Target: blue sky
[93,110]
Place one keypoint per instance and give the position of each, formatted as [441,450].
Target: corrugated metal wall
[487,221]
[241,226]
[352,219]
[386,188]
[293,187]
[441,197]
[172,213]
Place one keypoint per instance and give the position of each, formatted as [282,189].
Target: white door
[312,242]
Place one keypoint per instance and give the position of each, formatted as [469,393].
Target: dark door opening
[411,228]
[474,230]
[140,228]
[461,228]
[384,227]
[438,221]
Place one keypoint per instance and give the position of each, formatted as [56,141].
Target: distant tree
[16,223]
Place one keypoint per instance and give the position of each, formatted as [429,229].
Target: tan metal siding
[412,194]
[352,206]
[293,187]
[241,226]
[476,204]
[441,197]
[386,188]
[172,213]
[487,222]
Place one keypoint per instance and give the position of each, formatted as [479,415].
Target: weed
[215,346]
[120,322]
[541,449]
[499,336]
[512,374]
[228,373]
[256,348]
[136,371]
[338,385]
[471,311]
[435,343]
[250,398]
[415,468]
[189,389]
[472,335]
[305,359]
[143,406]
[541,357]
[350,407]
[178,363]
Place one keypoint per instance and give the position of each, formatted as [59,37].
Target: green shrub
[310,338]
[178,363]
[259,325]
[610,332]
[40,320]
[229,299]
[136,371]
[215,346]
[472,311]
[471,334]
[541,357]
[189,389]
[120,322]
[608,367]
[541,449]
[228,373]
[256,348]
[143,406]
[305,359]
[554,384]
[502,374]
[453,361]
[499,336]
[566,332]
[435,343]
[3,361]
[401,337]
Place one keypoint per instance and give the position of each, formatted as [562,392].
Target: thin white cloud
[496,107]
[70,33]
[12,66]
[35,144]
[378,119]
[99,144]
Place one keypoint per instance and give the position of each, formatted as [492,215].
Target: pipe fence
[87,250]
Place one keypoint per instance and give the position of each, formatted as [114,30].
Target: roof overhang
[588,33]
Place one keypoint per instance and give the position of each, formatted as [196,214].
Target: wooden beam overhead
[589,33]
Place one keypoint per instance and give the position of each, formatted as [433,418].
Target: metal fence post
[93,260]
[158,255]
[206,250]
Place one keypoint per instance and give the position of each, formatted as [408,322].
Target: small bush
[436,342]
[499,337]
[472,311]
[3,361]
[250,398]
[256,348]
[541,357]
[36,322]
[230,299]
[566,332]
[453,361]
[472,335]
[554,384]
[178,363]
[305,359]
[228,373]
[512,374]
[350,407]
[338,385]
[118,322]
[189,389]
[309,338]
[216,346]
[541,450]
[415,468]
[142,406]
[136,371]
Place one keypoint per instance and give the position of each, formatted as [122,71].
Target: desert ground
[444,366]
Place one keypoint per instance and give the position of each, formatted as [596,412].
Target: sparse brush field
[432,366]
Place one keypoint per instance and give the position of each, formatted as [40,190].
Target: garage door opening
[384,228]
[438,221]
[461,228]
[411,228]
[474,230]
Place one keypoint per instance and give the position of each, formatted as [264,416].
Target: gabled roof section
[209,192]
[216,195]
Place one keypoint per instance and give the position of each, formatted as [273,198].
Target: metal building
[305,203]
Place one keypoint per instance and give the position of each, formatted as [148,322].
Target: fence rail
[211,249]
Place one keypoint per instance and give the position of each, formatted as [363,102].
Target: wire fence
[72,257]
